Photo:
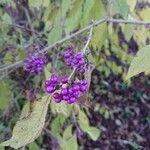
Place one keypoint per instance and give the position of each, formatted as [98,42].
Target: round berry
[67,54]
[66,97]
[76,95]
[82,70]
[70,90]
[57,100]
[47,82]
[56,95]
[50,89]
[84,82]
[64,91]
[72,99]
[76,88]
[83,88]
[64,80]
[82,62]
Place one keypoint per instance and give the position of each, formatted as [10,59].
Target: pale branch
[94,24]
[136,22]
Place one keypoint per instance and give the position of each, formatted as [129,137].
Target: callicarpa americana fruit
[35,61]
[63,89]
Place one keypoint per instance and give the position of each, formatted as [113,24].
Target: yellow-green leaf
[73,17]
[99,36]
[140,62]
[8,59]
[65,6]
[67,133]
[62,107]
[5,95]
[131,4]
[33,146]
[55,34]
[38,3]
[122,7]
[100,32]
[47,71]
[83,121]
[71,144]
[93,132]
[86,16]
[28,128]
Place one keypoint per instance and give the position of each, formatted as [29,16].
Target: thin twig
[136,22]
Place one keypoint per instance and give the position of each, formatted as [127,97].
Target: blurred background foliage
[104,121]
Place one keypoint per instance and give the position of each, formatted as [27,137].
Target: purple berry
[64,91]
[66,97]
[70,90]
[84,82]
[64,80]
[72,99]
[83,88]
[54,79]
[78,56]
[76,95]
[75,61]
[76,88]
[58,100]
[81,62]
[67,54]
[56,95]
[50,89]
[47,83]
[68,62]
[82,70]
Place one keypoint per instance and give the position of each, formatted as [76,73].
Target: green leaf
[33,146]
[131,4]
[140,62]
[83,121]
[73,17]
[47,71]
[99,36]
[8,58]
[55,34]
[38,3]
[6,19]
[5,95]
[62,107]
[86,17]
[122,7]
[67,133]
[100,32]
[29,128]
[21,54]
[71,144]
[66,4]
[93,132]
[57,123]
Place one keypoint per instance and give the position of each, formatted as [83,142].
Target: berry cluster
[63,90]
[75,60]
[35,62]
